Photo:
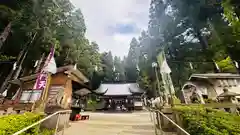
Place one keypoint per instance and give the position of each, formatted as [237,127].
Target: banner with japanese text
[49,67]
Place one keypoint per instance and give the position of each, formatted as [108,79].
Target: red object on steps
[77,117]
[81,117]
[84,117]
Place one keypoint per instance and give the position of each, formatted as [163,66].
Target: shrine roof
[125,89]
[228,94]
[82,92]
[71,70]
[215,76]
[66,69]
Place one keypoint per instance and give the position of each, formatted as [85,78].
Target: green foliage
[13,123]
[6,58]
[6,12]
[120,70]
[206,121]
[176,100]
[231,16]
[108,65]
[92,104]
[58,23]
[132,61]
[227,65]
[47,132]
[193,31]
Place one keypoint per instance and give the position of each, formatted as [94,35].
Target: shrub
[206,121]
[12,123]
[92,104]
[47,132]
[176,100]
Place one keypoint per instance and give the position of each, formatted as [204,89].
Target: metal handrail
[42,120]
[175,124]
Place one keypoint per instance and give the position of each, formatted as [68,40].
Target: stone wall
[7,109]
[10,110]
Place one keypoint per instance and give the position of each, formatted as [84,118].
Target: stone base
[165,123]
[52,122]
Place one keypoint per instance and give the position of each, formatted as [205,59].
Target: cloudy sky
[113,23]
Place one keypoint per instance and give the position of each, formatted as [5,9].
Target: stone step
[113,124]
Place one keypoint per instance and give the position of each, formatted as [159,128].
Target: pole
[45,93]
[4,84]
[20,59]
[170,86]
[39,63]
[158,82]
[18,70]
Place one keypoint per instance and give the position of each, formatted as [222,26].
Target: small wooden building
[115,95]
[210,86]
[56,96]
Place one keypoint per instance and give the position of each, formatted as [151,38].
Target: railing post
[64,123]
[160,118]
[150,112]
[154,121]
[157,117]
[38,128]
[160,123]
[58,117]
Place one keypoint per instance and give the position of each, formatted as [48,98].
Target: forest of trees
[30,28]
[193,33]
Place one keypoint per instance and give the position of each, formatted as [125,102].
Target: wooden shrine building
[118,95]
[56,96]
[210,86]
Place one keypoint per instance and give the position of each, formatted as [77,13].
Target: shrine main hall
[124,95]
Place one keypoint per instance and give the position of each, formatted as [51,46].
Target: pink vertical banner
[43,76]
[41,81]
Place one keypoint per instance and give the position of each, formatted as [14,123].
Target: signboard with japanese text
[41,81]
[30,96]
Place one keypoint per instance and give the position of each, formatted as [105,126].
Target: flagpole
[170,85]
[158,82]
[165,72]
[44,94]
[154,66]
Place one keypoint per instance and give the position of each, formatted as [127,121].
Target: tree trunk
[17,72]
[20,59]
[2,89]
[5,34]
[24,56]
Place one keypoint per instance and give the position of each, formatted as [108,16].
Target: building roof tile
[119,89]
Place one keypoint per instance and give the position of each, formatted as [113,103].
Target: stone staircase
[137,123]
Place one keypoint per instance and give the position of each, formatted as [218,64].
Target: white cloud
[101,14]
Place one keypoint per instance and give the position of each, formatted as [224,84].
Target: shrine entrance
[119,104]
[121,97]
